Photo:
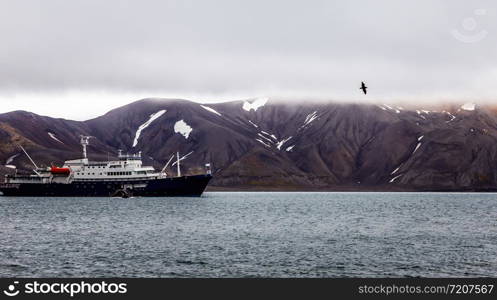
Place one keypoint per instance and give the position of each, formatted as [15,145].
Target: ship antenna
[85,141]
[179,170]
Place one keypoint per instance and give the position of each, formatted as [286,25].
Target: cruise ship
[125,177]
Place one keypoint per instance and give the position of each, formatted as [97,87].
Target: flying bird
[363,87]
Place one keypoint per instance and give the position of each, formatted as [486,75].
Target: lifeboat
[63,171]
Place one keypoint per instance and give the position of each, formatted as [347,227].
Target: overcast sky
[78,59]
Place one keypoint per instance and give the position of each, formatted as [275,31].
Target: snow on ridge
[260,141]
[417,147]
[283,141]
[152,118]
[393,179]
[391,108]
[271,135]
[266,138]
[395,171]
[288,149]
[253,124]
[52,135]
[182,128]
[468,106]
[212,110]
[310,117]
[452,117]
[269,139]
[11,159]
[259,102]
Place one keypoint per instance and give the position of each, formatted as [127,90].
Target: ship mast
[32,161]
[178,159]
[177,162]
[167,164]
[85,141]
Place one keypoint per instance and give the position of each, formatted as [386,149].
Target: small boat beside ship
[125,177]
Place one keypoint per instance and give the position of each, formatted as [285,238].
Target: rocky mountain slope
[269,144]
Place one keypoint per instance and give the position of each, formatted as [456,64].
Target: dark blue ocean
[251,235]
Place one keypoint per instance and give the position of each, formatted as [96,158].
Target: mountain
[266,144]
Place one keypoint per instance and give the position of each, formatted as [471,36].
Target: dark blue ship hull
[192,186]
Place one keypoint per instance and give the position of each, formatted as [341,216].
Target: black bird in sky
[363,87]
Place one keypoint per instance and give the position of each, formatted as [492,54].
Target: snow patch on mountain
[452,117]
[152,118]
[212,110]
[395,178]
[182,128]
[253,124]
[395,171]
[256,104]
[468,106]
[52,135]
[280,143]
[260,141]
[11,159]
[417,147]
[266,138]
[391,108]
[310,117]
[271,135]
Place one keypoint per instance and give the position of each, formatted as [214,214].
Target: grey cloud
[402,48]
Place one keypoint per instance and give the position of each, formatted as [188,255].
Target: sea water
[251,234]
